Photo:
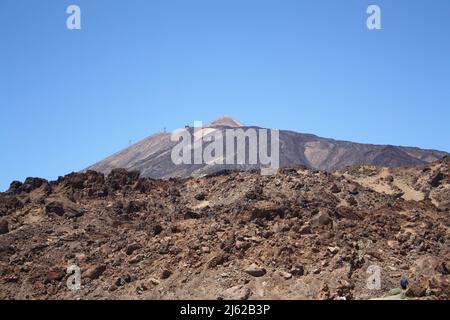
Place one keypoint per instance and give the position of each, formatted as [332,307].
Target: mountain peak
[225,121]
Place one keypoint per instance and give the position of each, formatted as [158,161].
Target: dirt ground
[301,234]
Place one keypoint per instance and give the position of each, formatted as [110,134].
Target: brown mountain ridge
[152,156]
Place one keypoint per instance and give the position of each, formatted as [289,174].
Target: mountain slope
[152,156]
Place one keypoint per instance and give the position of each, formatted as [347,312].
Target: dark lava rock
[95,272]
[134,206]
[4,227]
[75,180]
[255,271]
[335,189]
[15,187]
[55,207]
[436,180]
[217,260]
[322,218]
[9,203]
[55,275]
[200,196]
[67,208]
[31,184]
[132,247]
[297,270]
[417,288]
[166,274]
[306,229]
[157,229]
[191,215]
[120,177]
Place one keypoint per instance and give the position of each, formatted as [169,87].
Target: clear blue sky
[71,98]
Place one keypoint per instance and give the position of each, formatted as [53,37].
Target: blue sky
[71,98]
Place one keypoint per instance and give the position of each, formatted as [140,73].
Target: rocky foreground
[302,234]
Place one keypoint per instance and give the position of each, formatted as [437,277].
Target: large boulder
[238,292]
[132,248]
[266,210]
[9,203]
[15,187]
[436,179]
[118,178]
[31,184]
[440,285]
[95,272]
[321,219]
[217,260]
[56,274]
[64,207]
[255,271]
[417,288]
[4,227]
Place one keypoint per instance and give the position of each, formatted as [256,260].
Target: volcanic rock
[322,218]
[238,292]
[95,272]
[4,227]
[255,271]
[284,229]
[165,274]
[436,179]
